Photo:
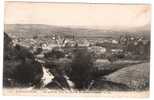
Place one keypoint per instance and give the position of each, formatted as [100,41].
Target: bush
[55,53]
[22,73]
[20,69]
[82,66]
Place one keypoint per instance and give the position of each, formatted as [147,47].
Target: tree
[82,66]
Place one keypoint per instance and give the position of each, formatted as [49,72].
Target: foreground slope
[136,76]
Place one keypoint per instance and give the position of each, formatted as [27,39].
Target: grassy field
[135,76]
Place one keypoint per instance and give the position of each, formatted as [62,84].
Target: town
[71,62]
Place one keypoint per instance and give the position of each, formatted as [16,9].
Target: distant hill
[29,30]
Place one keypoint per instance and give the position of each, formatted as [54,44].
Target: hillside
[136,76]
[21,30]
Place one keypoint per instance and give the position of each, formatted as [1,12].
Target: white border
[89,1]
[1,41]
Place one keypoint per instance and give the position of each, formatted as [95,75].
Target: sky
[77,14]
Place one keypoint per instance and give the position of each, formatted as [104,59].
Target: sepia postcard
[76,49]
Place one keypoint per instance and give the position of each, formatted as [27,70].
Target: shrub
[55,53]
[82,66]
